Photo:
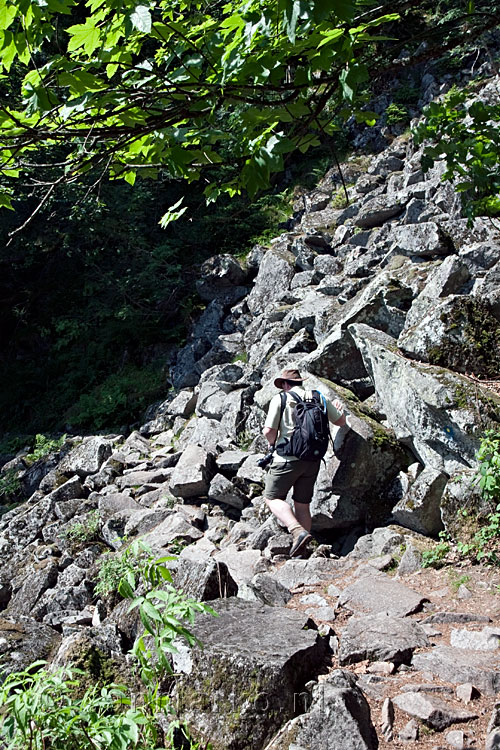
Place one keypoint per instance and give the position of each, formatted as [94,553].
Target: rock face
[240,687]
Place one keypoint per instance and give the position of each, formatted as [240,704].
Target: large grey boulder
[25,641]
[238,690]
[338,718]
[276,271]
[432,410]
[380,638]
[425,239]
[86,458]
[191,477]
[223,491]
[221,277]
[420,508]
[204,580]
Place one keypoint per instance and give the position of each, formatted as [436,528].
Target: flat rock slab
[338,719]
[439,618]
[379,593]
[380,638]
[297,572]
[459,665]
[488,639]
[243,684]
[433,711]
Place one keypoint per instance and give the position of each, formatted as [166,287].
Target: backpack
[311,432]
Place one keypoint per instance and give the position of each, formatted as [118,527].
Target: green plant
[466,134]
[397,113]
[436,556]
[114,567]
[43,447]
[10,484]
[244,439]
[457,581]
[488,456]
[164,613]
[41,709]
[86,531]
[241,357]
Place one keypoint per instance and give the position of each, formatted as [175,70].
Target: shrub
[10,484]
[86,531]
[43,447]
[396,114]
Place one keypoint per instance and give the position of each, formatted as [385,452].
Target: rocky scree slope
[391,304]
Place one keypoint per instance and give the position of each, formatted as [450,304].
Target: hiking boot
[299,543]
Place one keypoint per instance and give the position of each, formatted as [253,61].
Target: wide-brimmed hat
[290,376]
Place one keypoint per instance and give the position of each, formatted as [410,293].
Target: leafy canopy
[127,86]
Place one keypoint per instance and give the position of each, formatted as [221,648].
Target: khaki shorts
[301,475]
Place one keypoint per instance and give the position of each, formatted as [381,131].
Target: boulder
[25,641]
[223,491]
[191,476]
[238,690]
[429,408]
[378,593]
[275,274]
[461,665]
[380,638]
[337,718]
[419,509]
[221,277]
[433,711]
[86,458]
[425,239]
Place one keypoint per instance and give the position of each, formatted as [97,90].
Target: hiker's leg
[303,514]
[282,511]
[303,491]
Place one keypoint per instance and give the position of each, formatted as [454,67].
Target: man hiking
[296,421]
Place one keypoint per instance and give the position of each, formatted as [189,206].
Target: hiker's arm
[340,421]
[270,434]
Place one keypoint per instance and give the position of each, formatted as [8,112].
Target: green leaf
[7,15]
[84,35]
[141,19]
[172,214]
[6,201]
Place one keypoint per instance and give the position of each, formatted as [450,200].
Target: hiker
[287,471]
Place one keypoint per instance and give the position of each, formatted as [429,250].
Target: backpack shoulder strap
[295,396]
[283,404]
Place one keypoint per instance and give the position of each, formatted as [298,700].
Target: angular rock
[380,593]
[239,688]
[376,211]
[183,405]
[265,589]
[223,491]
[191,476]
[274,277]
[425,239]
[454,617]
[86,458]
[459,665]
[432,711]
[241,563]
[380,638]
[221,277]
[420,510]
[136,479]
[426,406]
[204,580]
[488,639]
[175,528]
[338,718]
[25,641]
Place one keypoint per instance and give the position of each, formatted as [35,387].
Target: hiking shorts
[282,476]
